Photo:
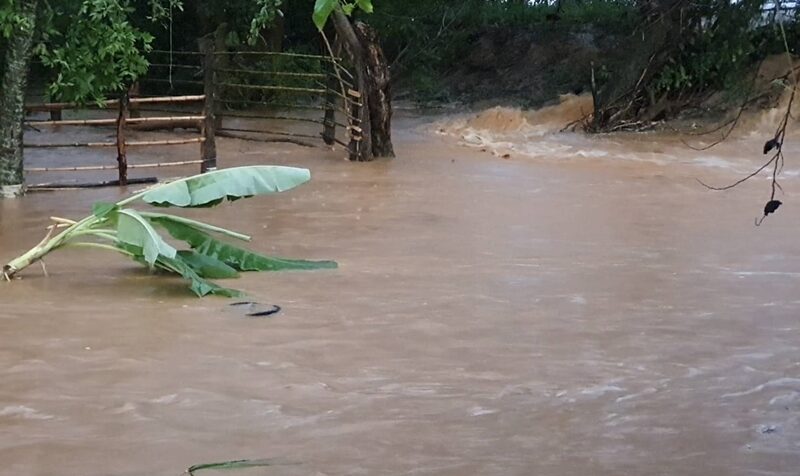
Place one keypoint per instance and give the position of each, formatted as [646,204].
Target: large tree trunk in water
[12,100]
[378,90]
[372,76]
[354,50]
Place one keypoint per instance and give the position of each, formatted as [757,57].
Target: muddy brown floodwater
[582,307]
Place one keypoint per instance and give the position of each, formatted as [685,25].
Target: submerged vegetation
[117,227]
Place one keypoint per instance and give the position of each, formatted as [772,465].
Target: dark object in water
[254,309]
[769,145]
[238,464]
[275,309]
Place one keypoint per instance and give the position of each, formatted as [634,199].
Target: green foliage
[99,52]
[212,188]
[268,11]
[713,54]
[245,19]
[10,19]
[134,233]
[425,40]
[324,8]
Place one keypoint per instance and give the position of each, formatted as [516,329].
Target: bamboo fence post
[208,148]
[329,122]
[134,93]
[122,159]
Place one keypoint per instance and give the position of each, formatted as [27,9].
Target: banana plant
[209,255]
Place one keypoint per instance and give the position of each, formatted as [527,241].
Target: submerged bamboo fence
[225,84]
[124,106]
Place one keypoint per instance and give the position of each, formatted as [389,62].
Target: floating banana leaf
[238,258]
[206,266]
[135,230]
[212,188]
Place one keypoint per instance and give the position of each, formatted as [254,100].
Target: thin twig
[777,160]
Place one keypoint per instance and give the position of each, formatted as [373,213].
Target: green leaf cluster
[11,22]
[324,8]
[209,252]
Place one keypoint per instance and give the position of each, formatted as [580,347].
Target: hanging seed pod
[771,144]
[771,206]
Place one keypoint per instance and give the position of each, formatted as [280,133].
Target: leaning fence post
[135,93]
[122,159]
[329,122]
[355,124]
[208,148]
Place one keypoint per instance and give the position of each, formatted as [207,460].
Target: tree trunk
[12,100]
[352,45]
[378,90]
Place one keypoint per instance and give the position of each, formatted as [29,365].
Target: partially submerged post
[122,159]
[329,122]
[208,147]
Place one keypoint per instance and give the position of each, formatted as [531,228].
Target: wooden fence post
[329,122]
[135,93]
[122,159]
[208,148]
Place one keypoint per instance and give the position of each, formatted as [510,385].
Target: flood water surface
[549,314]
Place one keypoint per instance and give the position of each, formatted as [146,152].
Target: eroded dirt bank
[554,313]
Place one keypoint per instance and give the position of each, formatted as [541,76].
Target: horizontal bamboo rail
[178,52]
[82,168]
[271,88]
[247,53]
[108,122]
[150,143]
[276,133]
[52,186]
[71,144]
[74,122]
[86,168]
[275,53]
[171,81]
[337,141]
[145,120]
[271,104]
[256,115]
[165,164]
[141,143]
[169,99]
[271,73]
[177,66]
[56,106]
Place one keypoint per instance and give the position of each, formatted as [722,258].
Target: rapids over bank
[540,134]
[554,313]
